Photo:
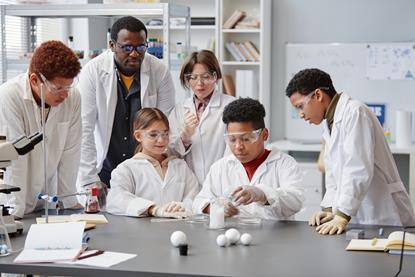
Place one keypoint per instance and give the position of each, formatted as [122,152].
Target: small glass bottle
[217,214]
[92,204]
[4,243]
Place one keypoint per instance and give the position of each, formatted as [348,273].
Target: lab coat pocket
[61,134]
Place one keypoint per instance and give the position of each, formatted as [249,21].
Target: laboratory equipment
[246,239]
[197,218]
[92,204]
[11,150]
[217,214]
[183,249]
[178,238]
[222,240]
[233,235]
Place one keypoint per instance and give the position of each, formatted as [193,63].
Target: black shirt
[122,143]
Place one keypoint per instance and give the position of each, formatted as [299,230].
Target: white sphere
[178,238]
[222,240]
[233,235]
[246,239]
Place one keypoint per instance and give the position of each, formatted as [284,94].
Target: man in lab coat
[257,182]
[54,68]
[114,86]
[362,182]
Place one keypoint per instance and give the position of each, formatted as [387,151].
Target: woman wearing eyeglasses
[53,70]
[152,182]
[196,123]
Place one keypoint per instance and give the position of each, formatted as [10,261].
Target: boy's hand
[244,195]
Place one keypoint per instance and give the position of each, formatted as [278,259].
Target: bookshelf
[202,36]
[258,71]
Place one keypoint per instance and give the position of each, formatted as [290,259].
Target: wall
[325,21]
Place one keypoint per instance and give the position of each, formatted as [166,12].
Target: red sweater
[251,167]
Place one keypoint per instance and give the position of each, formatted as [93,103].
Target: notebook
[54,242]
[394,241]
[88,218]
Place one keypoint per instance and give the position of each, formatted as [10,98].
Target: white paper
[52,242]
[55,236]
[41,256]
[390,62]
[107,259]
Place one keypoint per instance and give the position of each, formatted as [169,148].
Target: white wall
[326,21]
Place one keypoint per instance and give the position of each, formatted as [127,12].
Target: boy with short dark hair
[362,182]
[262,183]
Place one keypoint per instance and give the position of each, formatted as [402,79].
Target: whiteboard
[347,64]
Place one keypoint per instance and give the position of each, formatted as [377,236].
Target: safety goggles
[128,48]
[205,78]
[156,135]
[244,137]
[56,89]
[307,98]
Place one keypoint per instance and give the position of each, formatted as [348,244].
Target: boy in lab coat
[54,68]
[362,182]
[261,182]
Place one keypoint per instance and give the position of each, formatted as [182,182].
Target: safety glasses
[56,89]
[307,98]
[205,78]
[244,137]
[156,135]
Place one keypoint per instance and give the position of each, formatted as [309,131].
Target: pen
[96,253]
[374,241]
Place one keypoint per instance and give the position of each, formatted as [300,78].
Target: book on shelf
[202,21]
[248,23]
[228,85]
[252,49]
[233,51]
[236,16]
[393,242]
[243,51]
[54,242]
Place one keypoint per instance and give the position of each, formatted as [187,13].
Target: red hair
[54,59]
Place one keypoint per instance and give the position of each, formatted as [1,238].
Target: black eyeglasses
[128,48]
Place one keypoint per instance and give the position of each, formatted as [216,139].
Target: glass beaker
[5,246]
[92,204]
[217,213]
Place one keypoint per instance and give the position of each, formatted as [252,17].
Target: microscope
[10,151]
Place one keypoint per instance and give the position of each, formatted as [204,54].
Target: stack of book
[234,19]
[243,51]
[248,23]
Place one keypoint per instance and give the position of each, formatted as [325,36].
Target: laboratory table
[280,248]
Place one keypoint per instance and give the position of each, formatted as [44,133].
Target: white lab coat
[361,176]
[208,144]
[136,185]
[278,177]
[20,115]
[98,88]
